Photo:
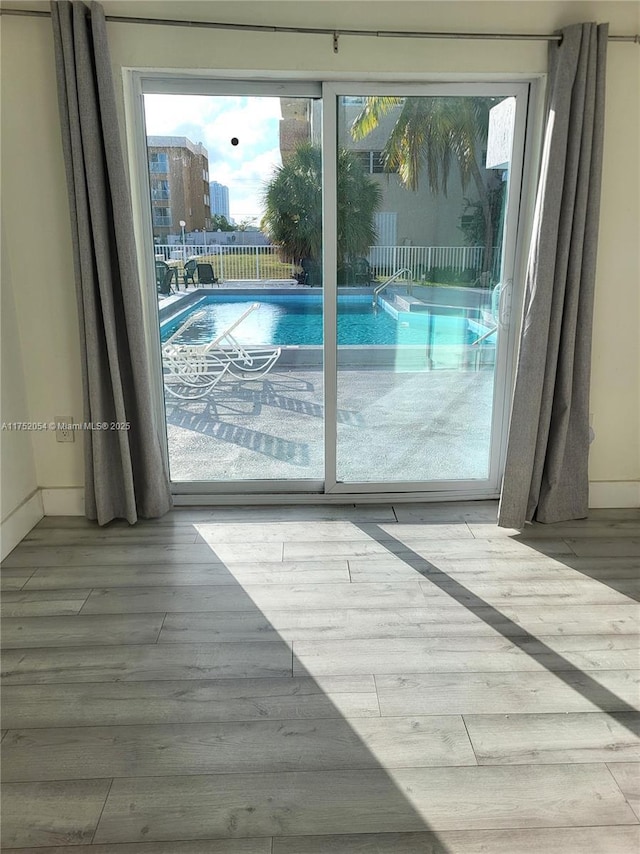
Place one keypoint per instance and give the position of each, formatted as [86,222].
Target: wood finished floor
[403,679]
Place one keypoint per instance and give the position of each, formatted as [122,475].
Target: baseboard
[19,522]
[63,502]
[614,493]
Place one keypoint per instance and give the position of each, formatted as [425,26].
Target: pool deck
[428,425]
[175,299]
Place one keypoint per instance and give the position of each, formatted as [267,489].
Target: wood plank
[418,531]
[336,624]
[433,620]
[563,619]
[204,846]
[35,603]
[463,654]
[627,776]
[240,513]
[615,513]
[111,536]
[557,840]
[306,803]
[579,528]
[541,568]
[26,555]
[422,548]
[498,593]
[98,630]
[14,578]
[334,532]
[523,739]
[227,598]
[234,747]
[245,553]
[146,662]
[195,701]
[57,813]
[508,693]
[454,511]
[605,546]
[189,575]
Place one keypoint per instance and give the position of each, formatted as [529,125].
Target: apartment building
[179,178]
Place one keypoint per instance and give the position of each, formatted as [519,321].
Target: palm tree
[293,206]
[429,132]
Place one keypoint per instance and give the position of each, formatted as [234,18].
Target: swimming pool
[296,320]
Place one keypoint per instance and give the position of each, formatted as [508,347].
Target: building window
[161,216]
[372,162]
[378,164]
[158,161]
[159,190]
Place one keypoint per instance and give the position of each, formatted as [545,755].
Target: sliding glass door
[236,211]
[334,271]
[422,266]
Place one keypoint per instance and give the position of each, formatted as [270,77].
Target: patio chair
[164,277]
[224,351]
[361,270]
[206,275]
[189,272]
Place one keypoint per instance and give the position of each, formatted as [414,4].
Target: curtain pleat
[125,471]
[546,472]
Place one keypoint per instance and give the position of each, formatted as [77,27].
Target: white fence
[385,260]
[264,262]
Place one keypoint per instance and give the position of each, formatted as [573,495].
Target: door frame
[528,92]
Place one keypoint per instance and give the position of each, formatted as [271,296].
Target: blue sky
[214,121]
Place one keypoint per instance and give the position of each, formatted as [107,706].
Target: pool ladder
[392,278]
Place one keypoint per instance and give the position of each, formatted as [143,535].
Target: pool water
[297,320]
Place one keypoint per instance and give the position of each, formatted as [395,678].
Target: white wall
[20,507]
[34,192]
[37,244]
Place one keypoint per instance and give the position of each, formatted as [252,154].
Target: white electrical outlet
[64,428]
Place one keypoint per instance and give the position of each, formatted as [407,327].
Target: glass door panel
[236,209]
[422,193]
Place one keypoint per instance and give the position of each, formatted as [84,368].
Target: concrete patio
[429,425]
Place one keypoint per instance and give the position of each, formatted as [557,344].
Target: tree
[472,221]
[429,132]
[219,222]
[293,206]
[246,223]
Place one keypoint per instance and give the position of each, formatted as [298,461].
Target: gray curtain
[125,473]
[546,475]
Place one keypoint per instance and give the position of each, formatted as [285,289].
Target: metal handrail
[392,278]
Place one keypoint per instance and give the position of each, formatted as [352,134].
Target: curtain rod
[335,33]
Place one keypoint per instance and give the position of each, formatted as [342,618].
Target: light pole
[184,251]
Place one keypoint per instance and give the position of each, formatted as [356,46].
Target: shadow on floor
[516,634]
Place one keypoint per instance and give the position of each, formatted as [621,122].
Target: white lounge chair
[194,369]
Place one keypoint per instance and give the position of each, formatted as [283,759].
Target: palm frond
[374,109]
